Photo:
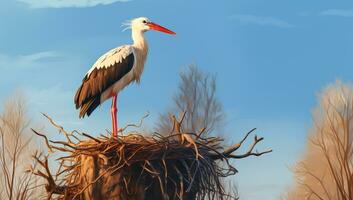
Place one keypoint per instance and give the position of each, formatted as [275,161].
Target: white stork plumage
[114,70]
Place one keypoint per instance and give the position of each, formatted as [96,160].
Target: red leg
[114,116]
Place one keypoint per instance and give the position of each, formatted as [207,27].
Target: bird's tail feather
[77,96]
[88,107]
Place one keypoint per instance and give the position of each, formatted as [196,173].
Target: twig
[45,139]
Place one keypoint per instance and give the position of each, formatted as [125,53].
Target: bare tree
[326,170]
[197,96]
[15,151]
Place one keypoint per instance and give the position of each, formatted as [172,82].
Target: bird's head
[143,24]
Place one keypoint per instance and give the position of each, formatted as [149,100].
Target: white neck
[139,40]
[141,49]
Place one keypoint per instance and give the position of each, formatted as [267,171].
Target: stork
[114,70]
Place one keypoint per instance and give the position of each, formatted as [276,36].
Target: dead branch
[228,152]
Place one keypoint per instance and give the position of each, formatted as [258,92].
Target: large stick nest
[178,165]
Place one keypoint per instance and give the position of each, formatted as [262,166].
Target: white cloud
[68,3]
[262,21]
[337,12]
[26,61]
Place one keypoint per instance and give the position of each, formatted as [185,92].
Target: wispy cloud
[262,21]
[26,61]
[68,3]
[337,12]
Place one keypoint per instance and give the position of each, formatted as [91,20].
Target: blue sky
[271,58]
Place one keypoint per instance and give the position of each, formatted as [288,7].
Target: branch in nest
[51,187]
[60,128]
[45,138]
[121,130]
[228,152]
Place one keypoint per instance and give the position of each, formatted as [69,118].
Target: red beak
[157,27]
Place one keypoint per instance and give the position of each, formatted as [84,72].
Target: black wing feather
[88,95]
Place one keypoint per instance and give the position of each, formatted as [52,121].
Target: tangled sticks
[177,166]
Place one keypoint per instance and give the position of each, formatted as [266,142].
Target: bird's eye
[144,21]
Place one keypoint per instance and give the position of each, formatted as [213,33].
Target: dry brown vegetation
[15,152]
[326,170]
[140,167]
